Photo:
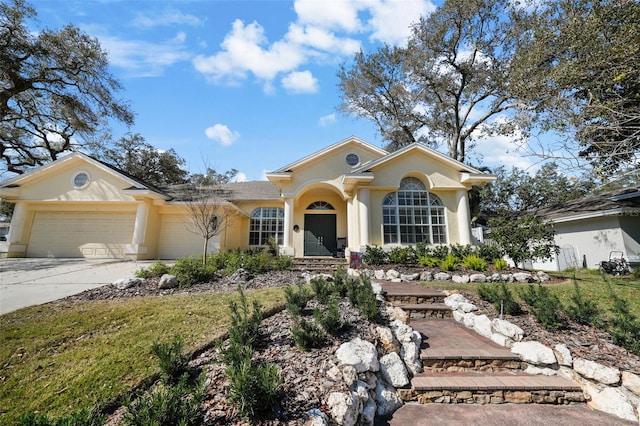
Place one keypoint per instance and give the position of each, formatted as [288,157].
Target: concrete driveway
[27,282]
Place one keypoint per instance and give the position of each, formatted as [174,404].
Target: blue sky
[249,85]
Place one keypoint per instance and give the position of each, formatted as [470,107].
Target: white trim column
[287,247]
[363,214]
[15,246]
[137,248]
[464,219]
[352,225]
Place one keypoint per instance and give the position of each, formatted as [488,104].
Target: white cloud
[167,17]
[221,133]
[240,177]
[338,15]
[327,120]
[141,58]
[401,13]
[322,40]
[300,82]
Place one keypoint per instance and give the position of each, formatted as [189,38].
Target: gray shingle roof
[237,191]
[627,198]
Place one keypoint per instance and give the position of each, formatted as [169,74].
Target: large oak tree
[446,87]
[56,93]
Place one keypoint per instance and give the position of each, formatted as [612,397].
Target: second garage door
[90,235]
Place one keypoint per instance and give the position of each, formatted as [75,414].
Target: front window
[413,215]
[266,222]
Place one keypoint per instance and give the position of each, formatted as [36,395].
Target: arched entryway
[320,229]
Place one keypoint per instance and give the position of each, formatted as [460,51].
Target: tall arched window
[266,222]
[412,215]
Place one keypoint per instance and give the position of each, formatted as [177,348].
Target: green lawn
[61,357]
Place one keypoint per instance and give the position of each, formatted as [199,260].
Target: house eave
[597,214]
[476,178]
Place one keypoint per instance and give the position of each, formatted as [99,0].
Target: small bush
[174,365]
[462,251]
[449,263]
[81,418]
[340,281]
[297,297]
[157,269]
[500,264]
[190,271]
[624,327]
[489,252]
[282,263]
[307,335]
[168,405]
[545,306]
[330,319]
[374,255]
[428,261]
[440,252]
[254,389]
[322,289]
[361,296]
[245,322]
[403,255]
[474,263]
[580,309]
[500,297]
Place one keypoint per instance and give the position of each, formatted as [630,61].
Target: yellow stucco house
[344,197]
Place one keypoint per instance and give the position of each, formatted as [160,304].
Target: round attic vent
[80,180]
[353,160]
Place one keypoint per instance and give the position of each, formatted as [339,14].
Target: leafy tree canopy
[56,94]
[446,87]
[141,160]
[516,190]
[212,177]
[577,64]
[523,238]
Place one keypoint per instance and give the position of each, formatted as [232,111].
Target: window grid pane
[266,222]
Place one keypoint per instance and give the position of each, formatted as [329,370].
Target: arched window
[320,205]
[266,222]
[412,215]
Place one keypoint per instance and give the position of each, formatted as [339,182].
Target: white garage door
[177,241]
[91,235]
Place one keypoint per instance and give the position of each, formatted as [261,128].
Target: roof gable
[355,143]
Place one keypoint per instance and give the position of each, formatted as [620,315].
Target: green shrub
[500,264]
[403,255]
[545,306]
[428,261]
[190,271]
[282,263]
[296,298]
[474,263]
[245,322]
[461,251]
[79,418]
[254,389]
[179,404]
[580,309]
[374,255]
[361,296]
[174,365]
[330,319]
[489,252]
[340,281]
[322,289]
[500,297]
[449,263]
[440,251]
[307,335]
[156,269]
[624,327]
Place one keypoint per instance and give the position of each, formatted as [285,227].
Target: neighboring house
[589,229]
[346,196]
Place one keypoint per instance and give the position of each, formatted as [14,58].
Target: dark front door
[319,234]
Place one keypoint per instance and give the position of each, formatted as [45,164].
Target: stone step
[491,388]
[426,310]
[319,264]
[410,293]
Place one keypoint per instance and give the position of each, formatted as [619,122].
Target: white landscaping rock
[442,276]
[410,353]
[315,417]
[610,400]
[379,274]
[410,277]
[393,370]
[387,399]
[507,329]
[523,277]
[460,279]
[426,276]
[344,408]
[534,353]
[387,340]
[402,331]
[125,283]
[360,354]
[532,369]
[563,355]
[598,372]
[458,316]
[168,281]
[478,278]
[392,274]
[502,340]
[349,375]
[482,326]
[469,319]
[631,382]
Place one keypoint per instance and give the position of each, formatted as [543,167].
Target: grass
[62,357]
[591,285]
